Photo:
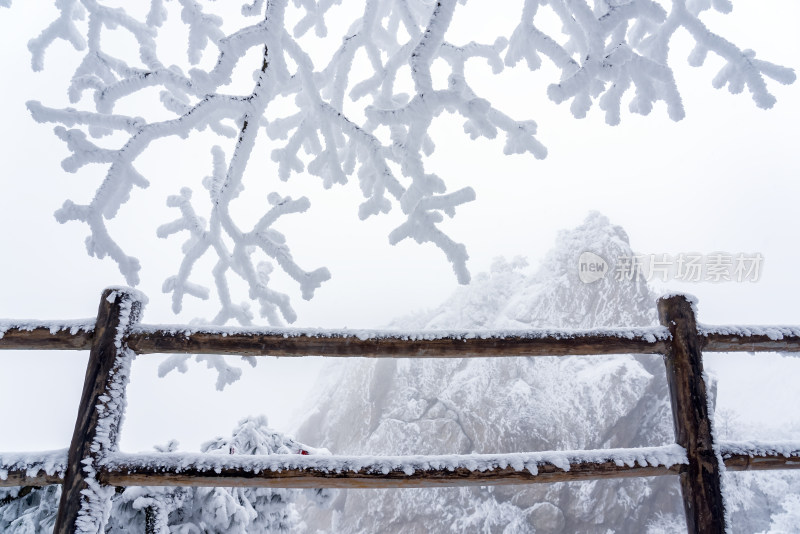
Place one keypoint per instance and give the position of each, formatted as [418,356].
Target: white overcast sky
[726,178]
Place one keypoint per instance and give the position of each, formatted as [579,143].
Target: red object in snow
[303,452]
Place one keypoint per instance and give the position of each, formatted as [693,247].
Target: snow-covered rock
[508,405]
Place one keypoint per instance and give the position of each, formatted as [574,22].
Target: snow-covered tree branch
[365,110]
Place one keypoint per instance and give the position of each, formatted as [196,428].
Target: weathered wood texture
[735,460]
[700,482]
[120,475]
[116,312]
[255,344]
[148,340]
[746,462]
[42,338]
[22,477]
[713,342]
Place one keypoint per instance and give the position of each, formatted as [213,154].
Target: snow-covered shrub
[183,510]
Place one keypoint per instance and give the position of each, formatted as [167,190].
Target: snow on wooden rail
[92,465]
[744,338]
[760,455]
[150,339]
[398,344]
[296,471]
[284,470]
[46,335]
[32,468]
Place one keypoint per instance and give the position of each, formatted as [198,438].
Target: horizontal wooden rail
[32,468]
[293,471]
[389,344]
[146,339]
[24,335]
[749,338]
[759,455]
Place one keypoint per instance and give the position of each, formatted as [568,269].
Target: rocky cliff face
[509,405]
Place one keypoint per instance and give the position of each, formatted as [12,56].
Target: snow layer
[666,456]
[650,334]
[774,333]
[691,299]
[759,448]
[33,463]
[73,327]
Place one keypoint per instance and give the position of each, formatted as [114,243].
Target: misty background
[723,179]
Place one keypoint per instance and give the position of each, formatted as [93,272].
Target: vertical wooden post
[100,411]
[700,482]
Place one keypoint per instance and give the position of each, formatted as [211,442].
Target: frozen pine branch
[346,120]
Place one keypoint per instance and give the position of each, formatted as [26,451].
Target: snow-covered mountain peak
[511,296]
[557,296]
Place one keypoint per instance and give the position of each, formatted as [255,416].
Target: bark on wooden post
[100,411]
[700,482]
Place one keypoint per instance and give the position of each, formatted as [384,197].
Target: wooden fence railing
[93,461]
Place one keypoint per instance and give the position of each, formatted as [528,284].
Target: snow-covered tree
[361,108]
[29,510]
[183,510]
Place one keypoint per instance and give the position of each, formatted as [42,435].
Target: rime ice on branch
[603,51]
